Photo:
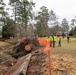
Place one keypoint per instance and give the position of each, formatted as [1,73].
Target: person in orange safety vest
[59,40]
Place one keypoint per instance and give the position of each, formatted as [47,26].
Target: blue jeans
[59,43]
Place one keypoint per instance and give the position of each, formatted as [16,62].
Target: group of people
[53,38]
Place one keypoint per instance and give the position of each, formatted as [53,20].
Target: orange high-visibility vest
[59,38]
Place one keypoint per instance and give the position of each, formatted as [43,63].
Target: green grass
[66,48]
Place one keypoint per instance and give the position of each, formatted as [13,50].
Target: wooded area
[35,42]
[24,22]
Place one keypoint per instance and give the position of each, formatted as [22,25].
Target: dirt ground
[38,64]
[63,64]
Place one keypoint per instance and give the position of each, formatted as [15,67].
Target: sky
[62,8]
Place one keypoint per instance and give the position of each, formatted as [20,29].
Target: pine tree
[22,12]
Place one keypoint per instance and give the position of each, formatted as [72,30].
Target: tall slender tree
[42,21]
[73,22]
[14,5]
[2,12]
[65,25]
[53,20]
[23,12]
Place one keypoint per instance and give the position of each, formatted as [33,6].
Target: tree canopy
[42,21]
[27,22]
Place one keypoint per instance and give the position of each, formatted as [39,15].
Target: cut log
[27,47]
[21,65]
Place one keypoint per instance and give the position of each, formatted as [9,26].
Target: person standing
[51,41]
[59,40]
[54,40]
[68,38]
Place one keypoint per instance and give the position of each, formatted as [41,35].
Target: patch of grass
[66,48]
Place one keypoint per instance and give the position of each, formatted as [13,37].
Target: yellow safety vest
[51,38]
[54,38]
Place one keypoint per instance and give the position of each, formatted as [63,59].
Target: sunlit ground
[3,44]
[66,48]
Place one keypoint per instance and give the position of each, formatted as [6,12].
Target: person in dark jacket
[68,38]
